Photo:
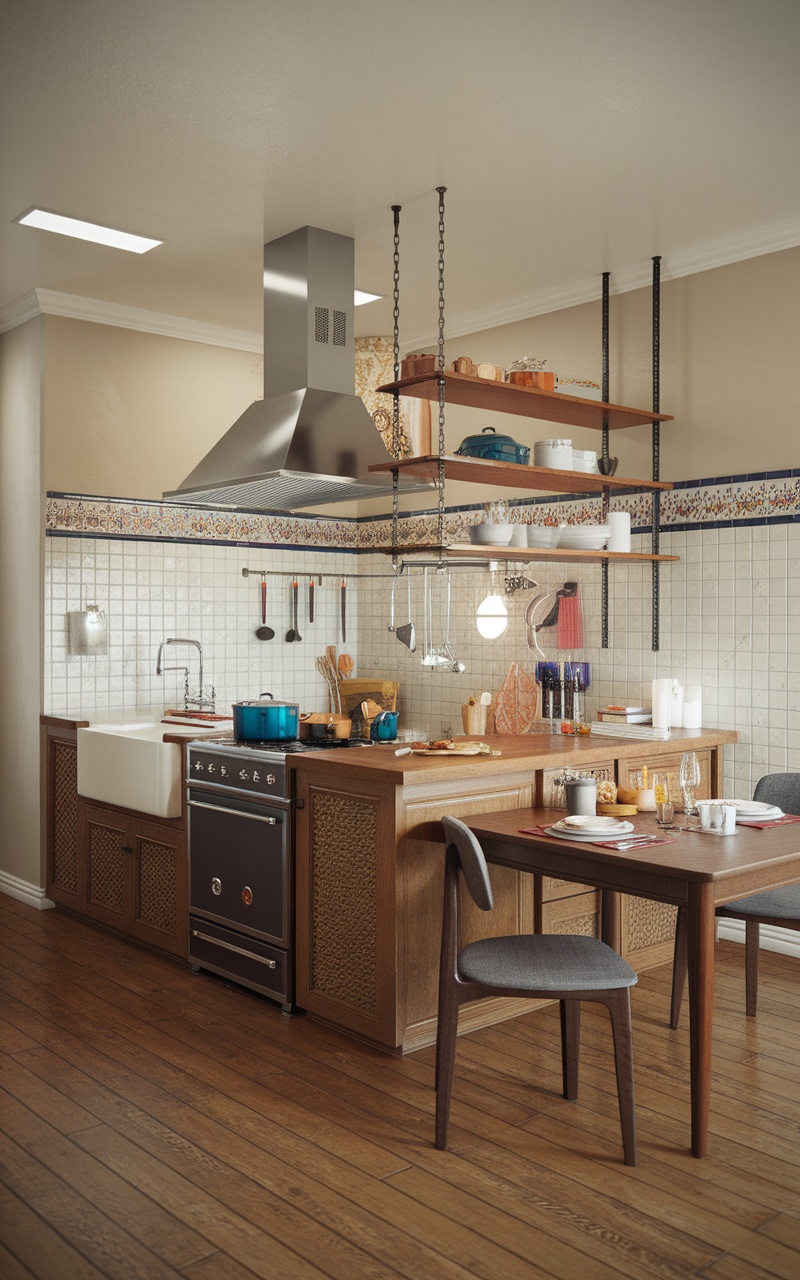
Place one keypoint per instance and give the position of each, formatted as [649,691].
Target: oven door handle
[240,951]
[237,813]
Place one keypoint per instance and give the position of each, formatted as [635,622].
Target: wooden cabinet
[62,807]
[136,876]
[121,869]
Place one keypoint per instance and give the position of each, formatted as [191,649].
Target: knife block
[473,719]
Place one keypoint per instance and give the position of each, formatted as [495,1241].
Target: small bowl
[543,536]
[491,535]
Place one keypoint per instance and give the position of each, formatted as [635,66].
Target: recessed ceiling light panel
[64,226]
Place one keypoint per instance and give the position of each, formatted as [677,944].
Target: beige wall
[728,360]
[21,559]
[130,414]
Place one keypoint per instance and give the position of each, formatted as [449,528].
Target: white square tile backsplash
[730,621]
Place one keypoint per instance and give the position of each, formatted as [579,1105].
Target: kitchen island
[369,871]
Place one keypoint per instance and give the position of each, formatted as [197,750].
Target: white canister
[553,453]
[619,530]
[692,706]
[676,712]
[662,703]
[584,460]
[581,796]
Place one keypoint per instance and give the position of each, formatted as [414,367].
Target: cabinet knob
[126,848]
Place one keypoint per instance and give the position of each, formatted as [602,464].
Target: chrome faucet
[201,700]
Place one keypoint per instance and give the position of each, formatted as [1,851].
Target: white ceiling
[574,136]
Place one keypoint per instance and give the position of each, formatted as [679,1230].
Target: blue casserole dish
[494,447]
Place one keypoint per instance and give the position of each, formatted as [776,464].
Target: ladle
[264,632]
[293,633]
[406,634]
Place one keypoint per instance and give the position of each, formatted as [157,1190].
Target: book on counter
[626,715]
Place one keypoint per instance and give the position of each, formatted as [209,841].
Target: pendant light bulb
[492,617]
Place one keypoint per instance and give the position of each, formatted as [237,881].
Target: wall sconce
[88,633]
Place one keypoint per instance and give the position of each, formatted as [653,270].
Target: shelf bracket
[605,396]
[656,500]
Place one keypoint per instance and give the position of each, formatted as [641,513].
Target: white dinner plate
[589,822]
[581,822]
[590,835]
[755,819]
[755,808]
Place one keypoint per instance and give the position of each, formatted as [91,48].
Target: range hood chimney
[311,439]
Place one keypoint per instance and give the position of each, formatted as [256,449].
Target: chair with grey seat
[779,907]
[568,968]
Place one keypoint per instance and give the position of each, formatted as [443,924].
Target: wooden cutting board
[517,702]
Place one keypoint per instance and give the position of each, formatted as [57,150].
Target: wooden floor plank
[158,1121]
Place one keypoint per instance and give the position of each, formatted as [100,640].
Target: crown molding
[704,257]
[49,302]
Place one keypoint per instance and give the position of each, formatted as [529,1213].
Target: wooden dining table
[697,870]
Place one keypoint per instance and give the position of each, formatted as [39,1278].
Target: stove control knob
[270,779]
[212,768]
[247,896]
[256,776]
[216,886]
[244,775]
[198,768]
[223,772]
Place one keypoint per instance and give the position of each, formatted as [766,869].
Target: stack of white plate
[754,811]
[583,537]
[578,827]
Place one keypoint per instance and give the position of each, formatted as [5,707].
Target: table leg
[611,919]
[700,930]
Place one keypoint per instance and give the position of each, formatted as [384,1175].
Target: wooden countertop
[517,753]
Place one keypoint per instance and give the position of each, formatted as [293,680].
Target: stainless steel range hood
[310,440]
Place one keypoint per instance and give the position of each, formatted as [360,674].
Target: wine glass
[689,781]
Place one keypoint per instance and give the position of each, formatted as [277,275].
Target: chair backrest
[781,789]
[473,863]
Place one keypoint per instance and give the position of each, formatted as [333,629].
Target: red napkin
[785,821]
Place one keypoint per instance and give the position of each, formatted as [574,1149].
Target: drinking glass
[665,809]
[689,781]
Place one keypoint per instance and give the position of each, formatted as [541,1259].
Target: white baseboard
[771,938]
[23,891]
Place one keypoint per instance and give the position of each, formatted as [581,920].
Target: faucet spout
[201,700]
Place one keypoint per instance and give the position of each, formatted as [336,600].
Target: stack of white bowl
[583,537]
[540,535]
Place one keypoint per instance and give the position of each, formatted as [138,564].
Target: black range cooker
[241,878]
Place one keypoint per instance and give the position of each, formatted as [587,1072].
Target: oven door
[239,865]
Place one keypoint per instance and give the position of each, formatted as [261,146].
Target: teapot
[384,727]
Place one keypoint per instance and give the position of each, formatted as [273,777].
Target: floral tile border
[710,503]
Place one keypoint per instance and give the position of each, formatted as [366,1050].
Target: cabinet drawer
[578,914]
[671,765]
[551,889]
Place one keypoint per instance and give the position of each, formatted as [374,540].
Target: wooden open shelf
[471,551]
[514,474]
[526,402]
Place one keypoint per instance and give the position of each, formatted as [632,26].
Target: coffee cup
[712,815]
